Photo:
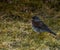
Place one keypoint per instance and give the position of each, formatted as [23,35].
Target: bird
[39,26]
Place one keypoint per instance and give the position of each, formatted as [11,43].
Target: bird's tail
[53,33]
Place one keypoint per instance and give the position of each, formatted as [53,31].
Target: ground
[15,25]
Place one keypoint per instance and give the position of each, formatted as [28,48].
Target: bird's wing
[43,26]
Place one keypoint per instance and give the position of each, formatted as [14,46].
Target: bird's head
[35,18]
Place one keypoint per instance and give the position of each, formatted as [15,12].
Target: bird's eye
[35,18]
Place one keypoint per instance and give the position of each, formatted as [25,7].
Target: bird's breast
[36,24]
[36,29]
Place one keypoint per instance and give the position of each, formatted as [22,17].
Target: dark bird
[39,26]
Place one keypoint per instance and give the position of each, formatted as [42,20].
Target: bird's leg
[56,37]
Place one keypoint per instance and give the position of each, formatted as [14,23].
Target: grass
[15,25]
[18,35]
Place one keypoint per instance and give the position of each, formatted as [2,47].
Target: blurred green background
[15,24]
